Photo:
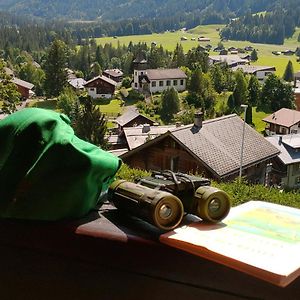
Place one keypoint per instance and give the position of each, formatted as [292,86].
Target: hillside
[110,10]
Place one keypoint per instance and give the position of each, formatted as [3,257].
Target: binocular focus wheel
[168,213]
[213,205]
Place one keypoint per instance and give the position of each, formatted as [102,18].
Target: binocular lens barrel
[159,208]
[213,203]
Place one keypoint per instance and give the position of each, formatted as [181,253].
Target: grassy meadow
[169,40]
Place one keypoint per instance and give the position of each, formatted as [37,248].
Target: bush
[135,95]
[126,82]
[131,174]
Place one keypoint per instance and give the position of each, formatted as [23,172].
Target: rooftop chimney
[198,118]
[146,128]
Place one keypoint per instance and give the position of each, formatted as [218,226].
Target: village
[207,146]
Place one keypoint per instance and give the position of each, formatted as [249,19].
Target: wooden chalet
[100,87]
[24,87]
[132,118]
[211,148]
[114,74]
[283,121]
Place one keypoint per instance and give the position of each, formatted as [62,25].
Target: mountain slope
[110,10]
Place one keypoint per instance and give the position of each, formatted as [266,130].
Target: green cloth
[46,172]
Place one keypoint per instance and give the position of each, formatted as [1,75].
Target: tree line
[271,27]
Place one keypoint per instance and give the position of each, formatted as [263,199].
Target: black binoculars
[162,199]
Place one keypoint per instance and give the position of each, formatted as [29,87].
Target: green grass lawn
[47,104]
[169,40]
[257,117]
[112,108]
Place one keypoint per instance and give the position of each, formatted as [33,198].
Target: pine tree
[169,104]
[248,117]
[55,68]
[89,123]
[254,90]
[178,59]
[289,72]
[240,90]
[253,55]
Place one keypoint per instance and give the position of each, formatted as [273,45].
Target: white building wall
[93,93]
[262,75]
[157,88]
[136,74]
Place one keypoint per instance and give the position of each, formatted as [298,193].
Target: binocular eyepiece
[163,198]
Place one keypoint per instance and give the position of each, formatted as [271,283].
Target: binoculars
[164,197]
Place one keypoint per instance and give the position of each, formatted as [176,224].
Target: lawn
[169,40]
[111,108]
[257,117]
[47,104]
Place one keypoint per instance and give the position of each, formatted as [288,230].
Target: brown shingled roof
[128,116]
[284,117]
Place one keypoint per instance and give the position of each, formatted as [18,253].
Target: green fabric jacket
[46,172]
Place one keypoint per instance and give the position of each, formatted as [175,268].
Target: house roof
[119,152]
[77,83]
[250,69]
[284,117]
[137,136]
[157,74]
[104,78]
[128,116]
[218,144]
[229,59]
[287,147]
[113,72]
[23,83]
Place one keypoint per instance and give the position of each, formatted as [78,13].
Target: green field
[169,40]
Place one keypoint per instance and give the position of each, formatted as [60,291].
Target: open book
[259,238]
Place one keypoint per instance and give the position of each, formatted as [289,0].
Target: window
[174,82]
[181,81]
[168,82]
[92,89]
[142,73]
[153,83]
[161,83]
[297,180]
[136,84]
[135,73]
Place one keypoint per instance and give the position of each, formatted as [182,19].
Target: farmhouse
[24,87]
[283,121]
[157,80]
[100,87]
[211,148]
[203,39]
[77,83]
[286,166]
[132,118]
[261,72]
[114,74]
[230,60]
